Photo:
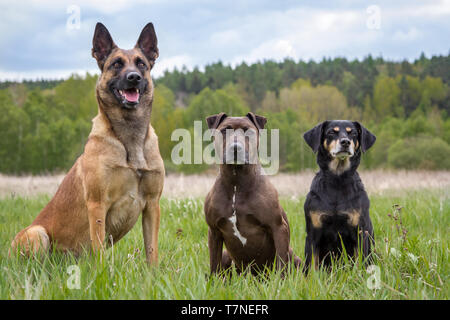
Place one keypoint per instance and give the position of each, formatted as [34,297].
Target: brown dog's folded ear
[258,121]
[214,121]
[148,43]
[313,137]
[102,44]
[366,138]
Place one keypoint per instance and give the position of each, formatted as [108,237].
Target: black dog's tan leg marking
[316,260]
[316,218]
[353,217]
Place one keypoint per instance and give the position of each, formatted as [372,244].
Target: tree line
[44,124]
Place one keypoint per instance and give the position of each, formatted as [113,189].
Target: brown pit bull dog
[121,173]
[242,209]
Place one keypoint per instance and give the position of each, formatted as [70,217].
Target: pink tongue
[131,95]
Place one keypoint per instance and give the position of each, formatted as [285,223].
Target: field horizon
[179,185]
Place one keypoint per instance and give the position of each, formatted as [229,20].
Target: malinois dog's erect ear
[102,44]
[214,121]
[366,138]
[258,121]
[313,137]
[148,43]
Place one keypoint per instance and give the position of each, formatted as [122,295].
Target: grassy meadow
[411,248]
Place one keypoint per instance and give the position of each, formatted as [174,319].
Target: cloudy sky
[48,39]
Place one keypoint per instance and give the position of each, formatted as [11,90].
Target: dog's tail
[30,241]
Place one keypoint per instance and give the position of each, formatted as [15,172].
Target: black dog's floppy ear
[148,43]
[214,121]
[258,121]
[102,44]
[366,138]
[314,136]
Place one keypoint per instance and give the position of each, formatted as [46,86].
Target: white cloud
[46,74]
[103,6]
[411,35]
[227,37]
[273,49]
[432,9]
[306,34]
[170,63]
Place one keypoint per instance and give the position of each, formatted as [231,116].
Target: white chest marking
[233,220]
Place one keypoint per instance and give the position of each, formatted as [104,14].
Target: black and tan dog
[337,206]
[121,173]
[242,209]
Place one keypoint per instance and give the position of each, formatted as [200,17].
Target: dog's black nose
[134,77]
[345,142]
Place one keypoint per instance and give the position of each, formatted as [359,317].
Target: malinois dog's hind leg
[30,241]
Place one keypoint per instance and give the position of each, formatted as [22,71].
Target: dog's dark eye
[117,65]
[140,64]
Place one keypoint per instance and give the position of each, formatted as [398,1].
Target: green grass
[184,259]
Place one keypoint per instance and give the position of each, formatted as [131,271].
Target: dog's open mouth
[128,97]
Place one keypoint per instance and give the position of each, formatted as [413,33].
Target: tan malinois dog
[121,172]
